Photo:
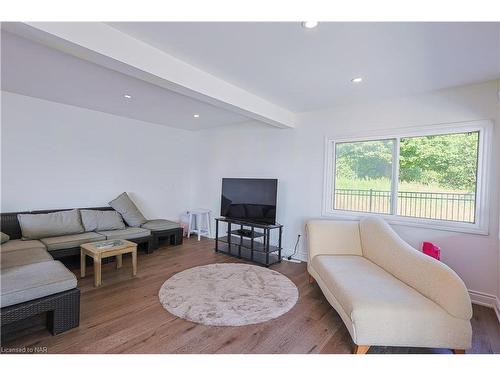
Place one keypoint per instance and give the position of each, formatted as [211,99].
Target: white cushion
[386,311]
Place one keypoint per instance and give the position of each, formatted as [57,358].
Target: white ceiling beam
[109,47]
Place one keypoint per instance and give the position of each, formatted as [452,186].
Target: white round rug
[228,294]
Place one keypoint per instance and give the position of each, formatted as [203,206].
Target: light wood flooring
[125,316]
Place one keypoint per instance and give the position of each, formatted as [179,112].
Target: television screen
[249,199]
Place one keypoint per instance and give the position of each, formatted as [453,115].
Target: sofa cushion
[384,309]
[131,214]
[36,226]
[14,245]
[72,240]
[94,220]
[4,237]
[159,224]
[125,234]
[23,257]
[25,283]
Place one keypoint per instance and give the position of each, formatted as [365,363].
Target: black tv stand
[245,233]
[251,241]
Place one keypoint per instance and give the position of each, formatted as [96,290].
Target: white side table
[199,215]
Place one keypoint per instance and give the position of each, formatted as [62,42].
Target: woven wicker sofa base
[63,311]
[173,237]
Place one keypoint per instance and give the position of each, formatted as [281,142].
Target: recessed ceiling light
[127,96]
[310,24]
[196,115]
[357,80]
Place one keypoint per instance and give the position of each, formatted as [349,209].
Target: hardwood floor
[125,316]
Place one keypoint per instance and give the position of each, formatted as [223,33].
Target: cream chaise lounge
[386,292]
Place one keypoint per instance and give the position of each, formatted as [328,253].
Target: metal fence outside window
[440,206]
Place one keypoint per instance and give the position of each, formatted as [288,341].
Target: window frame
[481,225]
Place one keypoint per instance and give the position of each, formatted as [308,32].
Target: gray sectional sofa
[147,234]
[34,282]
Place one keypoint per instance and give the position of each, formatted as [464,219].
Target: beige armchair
[386,292]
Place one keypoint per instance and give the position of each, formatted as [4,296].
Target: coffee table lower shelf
[242,252]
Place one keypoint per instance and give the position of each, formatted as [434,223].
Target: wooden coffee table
[97,254]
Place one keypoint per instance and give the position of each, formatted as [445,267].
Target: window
[422,176]
[363,176]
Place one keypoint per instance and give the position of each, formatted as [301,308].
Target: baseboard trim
[485,299]
[301,256]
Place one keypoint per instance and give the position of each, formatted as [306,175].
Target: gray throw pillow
[131,214]
[101,220]
[4,237]
[36,226]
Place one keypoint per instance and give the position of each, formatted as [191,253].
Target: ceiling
[31,69]
[231,73]
[303,70]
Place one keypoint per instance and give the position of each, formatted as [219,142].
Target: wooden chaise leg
[458,351]
[311,279]
[361,349]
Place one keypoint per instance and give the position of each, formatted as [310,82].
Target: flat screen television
[249,199]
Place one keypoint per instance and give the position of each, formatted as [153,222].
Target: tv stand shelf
[253,244]
[238,233]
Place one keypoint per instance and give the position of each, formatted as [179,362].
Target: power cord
[290,257]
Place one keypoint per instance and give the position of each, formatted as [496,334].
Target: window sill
[440,225]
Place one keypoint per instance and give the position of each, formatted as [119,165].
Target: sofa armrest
[333,237]
[430,277]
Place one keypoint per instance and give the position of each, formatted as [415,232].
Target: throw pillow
[36,226]
[94,220]
[131,214]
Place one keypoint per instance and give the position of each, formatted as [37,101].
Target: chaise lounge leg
[361,349]
[458,351]
[311,280]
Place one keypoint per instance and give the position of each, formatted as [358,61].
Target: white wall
[296,156]
[498,192]
[58,156]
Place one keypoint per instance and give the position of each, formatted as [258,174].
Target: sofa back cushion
[430,277]
[36,226]
[131,214]
[333,237]
[94,220]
